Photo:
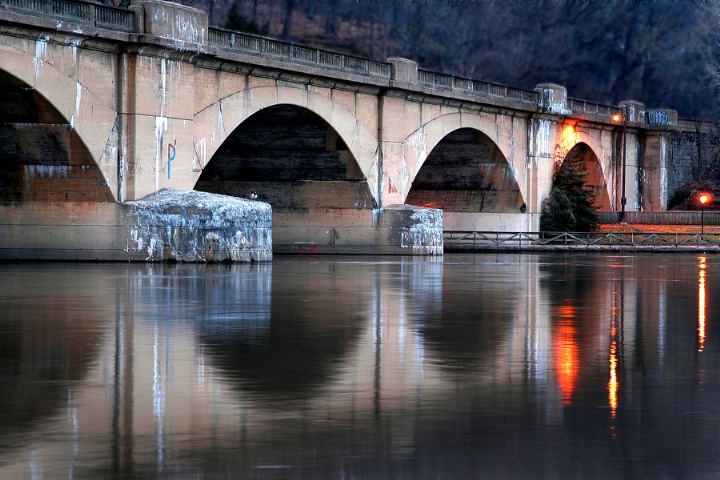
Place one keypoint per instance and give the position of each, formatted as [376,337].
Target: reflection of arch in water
[473,319]
[272,339]
[46,345]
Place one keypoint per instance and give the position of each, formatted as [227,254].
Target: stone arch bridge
[103,107]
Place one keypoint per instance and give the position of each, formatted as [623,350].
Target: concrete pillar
[629,154]
[651,161]
[404,71]
[156,118]
[552,99]
[542,140]
[172,21]
[635,111]
[654,172]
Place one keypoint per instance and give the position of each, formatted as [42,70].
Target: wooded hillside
[663,53]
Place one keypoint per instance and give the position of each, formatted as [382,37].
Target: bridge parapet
[268,47]
[93,14]
[441,81]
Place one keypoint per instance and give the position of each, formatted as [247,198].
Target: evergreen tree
[569,207]
[240,23]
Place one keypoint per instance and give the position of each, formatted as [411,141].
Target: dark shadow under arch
[584,156]
[466,172]
[41,156]
[292,159]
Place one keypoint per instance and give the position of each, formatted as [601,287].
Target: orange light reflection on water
[701,303]
[613,384]
[566,354]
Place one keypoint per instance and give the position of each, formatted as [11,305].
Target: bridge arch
[80,151]
[215,123]
[578,146]
[289,157]
[463,165]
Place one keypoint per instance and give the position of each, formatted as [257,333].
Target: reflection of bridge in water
[105,105]
[210,359]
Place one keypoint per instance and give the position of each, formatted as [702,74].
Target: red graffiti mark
[391,187]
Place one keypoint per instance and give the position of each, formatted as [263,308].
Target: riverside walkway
[477,241]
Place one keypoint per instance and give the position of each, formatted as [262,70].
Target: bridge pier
[393,230]
[166,226]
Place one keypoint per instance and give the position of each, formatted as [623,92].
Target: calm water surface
[468,367]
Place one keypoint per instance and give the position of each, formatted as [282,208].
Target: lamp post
[703,199]
[623,199]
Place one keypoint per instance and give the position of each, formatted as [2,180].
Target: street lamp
[704,198]
[623,200]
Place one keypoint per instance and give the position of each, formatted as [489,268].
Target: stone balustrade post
[552,99]
[170,20]
[404,71]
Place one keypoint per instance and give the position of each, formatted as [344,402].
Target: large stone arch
[215,122]
[598,161]
[291,158]
[54,71]
[418,146]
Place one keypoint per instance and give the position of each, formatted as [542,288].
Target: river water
[492,366]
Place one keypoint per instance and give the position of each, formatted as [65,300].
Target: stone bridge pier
[107,122]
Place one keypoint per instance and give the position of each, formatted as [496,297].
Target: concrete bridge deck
[103,107]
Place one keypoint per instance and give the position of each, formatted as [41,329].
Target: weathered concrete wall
[411,129]
[187,227]
[691,151]
[224,101]
[170,20]
[396,230]
[200,227]
[491,222]
[64,231]
[75,78]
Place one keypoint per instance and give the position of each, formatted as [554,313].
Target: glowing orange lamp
[703,199]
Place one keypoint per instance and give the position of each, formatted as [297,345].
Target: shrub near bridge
[569,207]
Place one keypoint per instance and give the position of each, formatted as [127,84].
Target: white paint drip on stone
[373,178]
[45,171]
[663,174]
[539,140]
[221,120]
[425,234]
[163,73]
[40,51]
[160,129]
[74,44]
[418,143]
[195,226]
[78,97]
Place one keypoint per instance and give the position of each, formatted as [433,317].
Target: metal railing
[478,240]
[87,13]
[448,82]
[287,51]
